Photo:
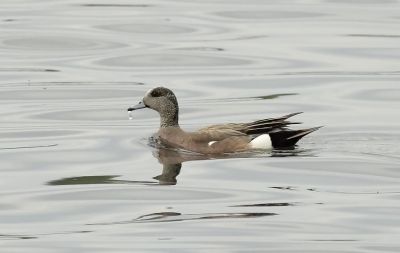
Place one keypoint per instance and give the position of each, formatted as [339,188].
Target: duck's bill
[140,105]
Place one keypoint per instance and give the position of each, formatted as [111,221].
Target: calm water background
[77,176]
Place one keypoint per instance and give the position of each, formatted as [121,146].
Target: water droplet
[130,115]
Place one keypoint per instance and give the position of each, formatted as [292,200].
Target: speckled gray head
[163,101]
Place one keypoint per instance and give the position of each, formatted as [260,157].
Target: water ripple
[268,15]
[149,28]
[137,194]
[381,95]
[176,217]
[57,43]
[117,5]
[171,61]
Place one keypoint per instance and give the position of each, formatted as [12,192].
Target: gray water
[77,176]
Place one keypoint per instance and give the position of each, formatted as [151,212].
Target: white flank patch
[211,143]
[261,142]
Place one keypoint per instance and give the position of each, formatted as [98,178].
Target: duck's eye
[156,93]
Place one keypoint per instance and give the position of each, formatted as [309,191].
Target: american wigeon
[218,139]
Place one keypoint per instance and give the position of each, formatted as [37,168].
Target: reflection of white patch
[211,143]
[261,142]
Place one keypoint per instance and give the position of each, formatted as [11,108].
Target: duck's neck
[169,119]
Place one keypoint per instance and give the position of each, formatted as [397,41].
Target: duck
[264,134]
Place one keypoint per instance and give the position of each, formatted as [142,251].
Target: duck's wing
[215,133]
[252,128]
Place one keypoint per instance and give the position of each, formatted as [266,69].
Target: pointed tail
[289,138]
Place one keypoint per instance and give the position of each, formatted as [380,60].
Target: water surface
[77,175]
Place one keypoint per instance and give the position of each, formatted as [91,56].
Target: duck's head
[163,101]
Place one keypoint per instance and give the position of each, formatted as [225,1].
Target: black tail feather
[268,125]
[289,138]
[275,119]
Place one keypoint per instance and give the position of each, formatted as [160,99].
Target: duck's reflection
[169,173]
[171,160]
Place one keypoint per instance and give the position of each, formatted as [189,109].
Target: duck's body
[222,138]
[203,142]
